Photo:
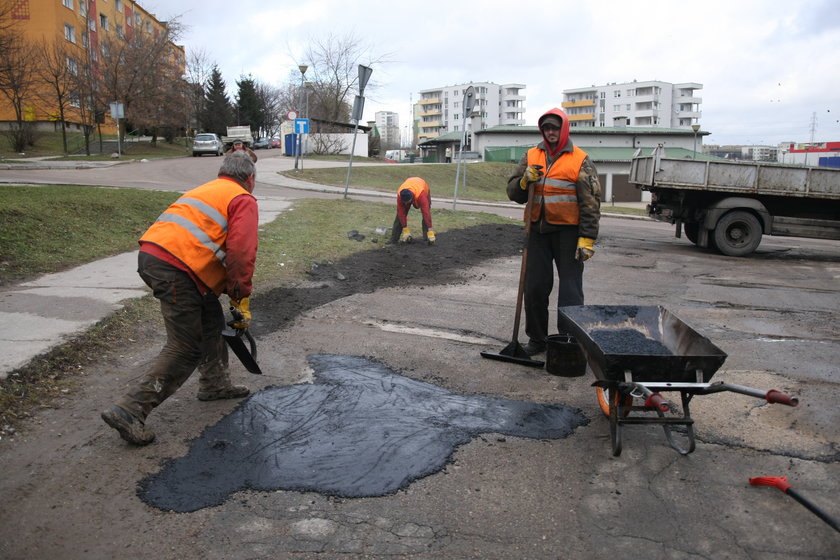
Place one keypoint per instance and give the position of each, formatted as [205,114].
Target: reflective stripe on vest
[555,194]
[194,230]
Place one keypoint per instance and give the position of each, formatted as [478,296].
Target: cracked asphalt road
[69,485]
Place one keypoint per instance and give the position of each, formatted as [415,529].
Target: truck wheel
[691,231]
[737,234]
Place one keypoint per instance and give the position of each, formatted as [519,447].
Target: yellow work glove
[241,311]
[585,248]
[531,175]
[430,236]
[405,236]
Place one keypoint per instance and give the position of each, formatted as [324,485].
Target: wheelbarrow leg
[689,427]
[616,411]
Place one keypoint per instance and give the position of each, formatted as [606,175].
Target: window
[103,22]
[120,33]
[92,24]
[67,3]
[616,93]
[83,8]
[84,39]
[118,5]
[72,66]
[69,32]
[136,19]
[148,27]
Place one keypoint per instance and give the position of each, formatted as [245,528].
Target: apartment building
[647,104]
[388,124]
[85,30]
[440,110]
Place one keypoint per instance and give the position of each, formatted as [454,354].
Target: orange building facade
[81,26]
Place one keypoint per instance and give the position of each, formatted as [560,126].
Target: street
[70,486]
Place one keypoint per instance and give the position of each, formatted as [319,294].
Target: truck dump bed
[735,177]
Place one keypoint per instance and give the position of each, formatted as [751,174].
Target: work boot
[229,392]
[131,429]
[534,347]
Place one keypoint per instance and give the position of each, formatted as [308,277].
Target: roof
[447,138]
[623,130]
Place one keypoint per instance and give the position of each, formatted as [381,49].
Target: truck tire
[691,231]
[737,233]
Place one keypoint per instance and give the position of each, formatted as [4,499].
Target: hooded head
[556,118]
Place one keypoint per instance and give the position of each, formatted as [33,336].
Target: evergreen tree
[217,110]
[248,105]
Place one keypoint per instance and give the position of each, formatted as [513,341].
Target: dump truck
[238,133]
[727,206]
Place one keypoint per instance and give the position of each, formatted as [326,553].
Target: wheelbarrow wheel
[604,401]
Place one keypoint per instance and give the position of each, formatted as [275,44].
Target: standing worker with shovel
[562,224]
[203,245]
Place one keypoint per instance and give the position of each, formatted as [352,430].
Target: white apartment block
[440,110]
[388,124]
[644,104]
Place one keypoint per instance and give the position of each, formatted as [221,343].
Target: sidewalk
[38,315]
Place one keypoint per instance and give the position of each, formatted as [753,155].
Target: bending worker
[413,192]
[564,218]
[203,245]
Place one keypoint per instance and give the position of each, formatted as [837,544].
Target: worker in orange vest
[202,246]
[413,192]
[564,218]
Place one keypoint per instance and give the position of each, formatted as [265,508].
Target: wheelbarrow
[639,352]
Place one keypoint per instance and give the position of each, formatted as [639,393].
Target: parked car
[276,143]
[207,143]
[261,144]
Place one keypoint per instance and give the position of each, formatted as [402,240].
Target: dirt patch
[415,264]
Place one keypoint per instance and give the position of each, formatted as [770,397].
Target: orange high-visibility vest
[556,190]
[194,230]
[417,186]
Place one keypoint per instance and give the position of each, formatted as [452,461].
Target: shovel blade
[246,356]
[513,353]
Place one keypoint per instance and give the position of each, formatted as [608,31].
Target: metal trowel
[234,338]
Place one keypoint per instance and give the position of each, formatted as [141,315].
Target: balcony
[581,103]
[582,117]
[432,101]
[430,124]
[430,113]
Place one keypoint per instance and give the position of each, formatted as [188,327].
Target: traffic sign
[301,126]
[291,115]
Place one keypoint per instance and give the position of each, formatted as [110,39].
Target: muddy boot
[229,392]
[131,429]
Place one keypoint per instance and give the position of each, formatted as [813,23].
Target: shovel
[781,483]
[233,337]
[514,352]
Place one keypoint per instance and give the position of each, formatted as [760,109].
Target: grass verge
[313,230]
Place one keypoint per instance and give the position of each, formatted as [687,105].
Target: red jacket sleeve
[402,211]
[241,245]
[424,202]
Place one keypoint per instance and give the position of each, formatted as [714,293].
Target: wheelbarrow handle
[652,400]
[771,396]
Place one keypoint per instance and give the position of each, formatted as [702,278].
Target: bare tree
[198,72]
[18,83]
[334,63]
[327,144]
[57,68]
[132,70]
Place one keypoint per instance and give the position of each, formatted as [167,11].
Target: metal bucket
[563,356]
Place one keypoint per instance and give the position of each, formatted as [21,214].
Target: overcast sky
[768,67]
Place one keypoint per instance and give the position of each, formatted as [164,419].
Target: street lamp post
[695,128]
[299,140]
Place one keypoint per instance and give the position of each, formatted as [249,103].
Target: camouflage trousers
[194,323]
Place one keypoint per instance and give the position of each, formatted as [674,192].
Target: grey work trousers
[547,251]
[194,323]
